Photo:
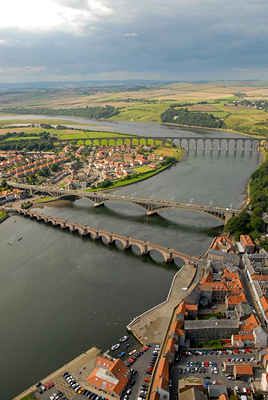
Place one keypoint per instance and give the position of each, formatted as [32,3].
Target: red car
[145,348]
[49,385]
[147,379]
[130,360]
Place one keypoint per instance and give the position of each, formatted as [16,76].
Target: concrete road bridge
[122,242]
[152,206]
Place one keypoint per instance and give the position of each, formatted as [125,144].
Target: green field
[148,103]
[63,134]
[11,120]
[142,112]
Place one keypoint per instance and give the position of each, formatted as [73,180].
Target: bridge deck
[148,203]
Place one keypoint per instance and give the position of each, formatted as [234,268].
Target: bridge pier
[100,204]
[151,213]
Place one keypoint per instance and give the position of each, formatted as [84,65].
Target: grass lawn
[70,134]
[3,215]
[211,344]
[45,199]
[143,169]
[60,133]
[29,397]
[173,152]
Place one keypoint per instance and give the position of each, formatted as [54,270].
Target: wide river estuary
[60,295]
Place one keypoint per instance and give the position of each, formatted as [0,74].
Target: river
[60,295]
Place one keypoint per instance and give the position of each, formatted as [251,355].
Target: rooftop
[211,324]
[109,375]
[243,369]
[246,240]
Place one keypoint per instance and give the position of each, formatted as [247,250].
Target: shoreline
[221,130]
[142,178]
[69,118]
[147,175]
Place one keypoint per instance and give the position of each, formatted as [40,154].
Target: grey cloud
[182,39]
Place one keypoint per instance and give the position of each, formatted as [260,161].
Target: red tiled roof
[259,277]
[249,324]
[243,369]
[191,307]
[237,299]
[243,338]
[116,368]
[264,303]
[246,240]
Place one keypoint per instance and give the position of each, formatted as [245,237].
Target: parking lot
[136,357]
[141,366]
[80,367]
[209,366]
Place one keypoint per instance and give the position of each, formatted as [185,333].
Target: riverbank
[131,181]
[222,130]
[171,157]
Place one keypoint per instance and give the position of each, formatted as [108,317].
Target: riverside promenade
[151,326]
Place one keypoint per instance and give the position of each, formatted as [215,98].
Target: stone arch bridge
[220,143]
[137,246]
[152,206]
[187,142]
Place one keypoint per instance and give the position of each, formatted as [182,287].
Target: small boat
[123,339]
[115,346]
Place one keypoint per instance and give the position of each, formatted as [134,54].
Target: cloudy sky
[128,39]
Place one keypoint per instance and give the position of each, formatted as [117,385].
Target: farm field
[148,103]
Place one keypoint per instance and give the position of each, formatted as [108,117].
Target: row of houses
[231,321]
[256,266]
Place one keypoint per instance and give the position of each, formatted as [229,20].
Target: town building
[109,377]
[247,244]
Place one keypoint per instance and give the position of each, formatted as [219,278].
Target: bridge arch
[138,249]
[159,256]
[105,238]
[120,244]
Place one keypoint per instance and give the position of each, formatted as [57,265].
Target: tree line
[250,221]
[97,112]
[195,118]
